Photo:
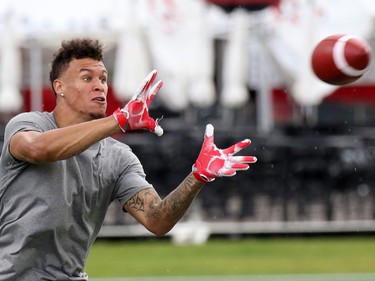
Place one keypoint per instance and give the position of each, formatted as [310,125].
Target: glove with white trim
[134,115]
[213,162]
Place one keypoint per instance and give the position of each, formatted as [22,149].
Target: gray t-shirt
[50,214]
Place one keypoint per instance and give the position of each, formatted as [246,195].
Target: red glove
[134,115]
[213,162]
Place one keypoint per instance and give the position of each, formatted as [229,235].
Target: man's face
[85,88]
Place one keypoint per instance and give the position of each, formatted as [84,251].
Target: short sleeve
[131,177]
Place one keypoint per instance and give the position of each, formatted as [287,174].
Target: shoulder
[32,114]
[115,144]
[29,121]
[115,149]
[40,121]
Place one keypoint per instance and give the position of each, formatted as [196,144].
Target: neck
[64,117]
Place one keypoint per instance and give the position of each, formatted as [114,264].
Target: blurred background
[243,66]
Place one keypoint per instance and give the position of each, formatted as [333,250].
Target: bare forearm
[74,139]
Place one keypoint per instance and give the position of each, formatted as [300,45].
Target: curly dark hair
[74,49]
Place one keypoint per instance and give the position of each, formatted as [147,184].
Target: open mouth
[99,99]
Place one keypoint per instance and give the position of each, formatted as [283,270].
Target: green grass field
[240,257]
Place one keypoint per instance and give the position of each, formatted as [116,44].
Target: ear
[57,86]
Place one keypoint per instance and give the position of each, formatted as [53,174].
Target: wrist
[200,176]
[121,117]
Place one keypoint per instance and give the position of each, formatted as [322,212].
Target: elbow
[30,149]
[160,231]
[34,155]
[160,235]
[37,154]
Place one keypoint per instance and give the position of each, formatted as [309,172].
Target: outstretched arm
[159,216]
[36,147]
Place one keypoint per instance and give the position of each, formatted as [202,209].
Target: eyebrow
[91,71]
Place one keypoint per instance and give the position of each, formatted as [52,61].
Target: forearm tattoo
[174,206]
